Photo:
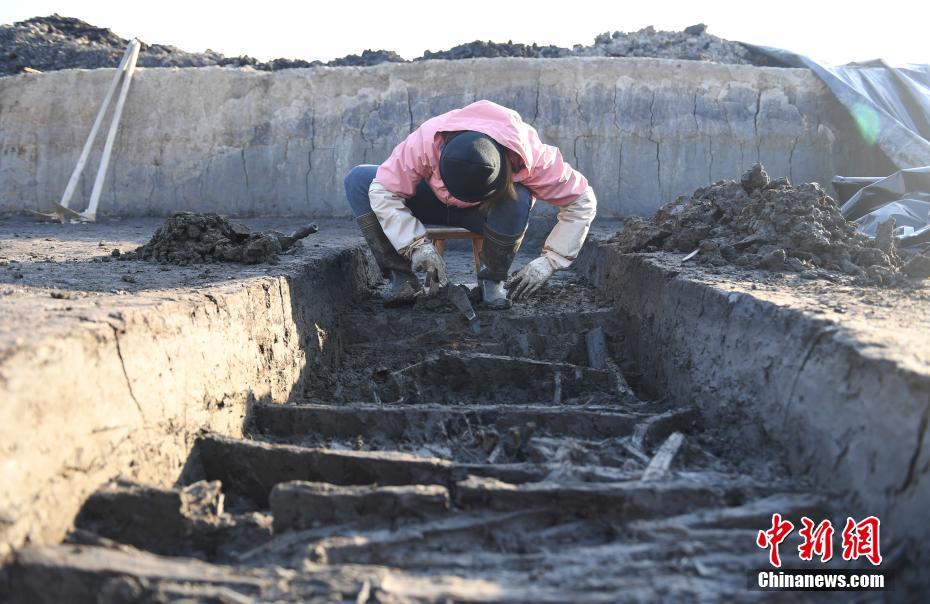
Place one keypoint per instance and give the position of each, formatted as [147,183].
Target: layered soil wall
[123,389]
[843,401]
[250,143]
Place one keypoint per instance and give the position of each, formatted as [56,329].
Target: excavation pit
[692,402]
[481,468]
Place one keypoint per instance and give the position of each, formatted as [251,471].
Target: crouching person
[481,168]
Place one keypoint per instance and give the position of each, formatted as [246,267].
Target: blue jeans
[508,217]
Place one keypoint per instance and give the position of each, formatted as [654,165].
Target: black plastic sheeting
[890,105]
[891,108]
[905,196]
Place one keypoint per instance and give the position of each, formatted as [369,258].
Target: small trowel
[459,298]
[288,241]
[456,294]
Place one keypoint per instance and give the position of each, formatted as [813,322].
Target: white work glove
[530,278]
[425,258]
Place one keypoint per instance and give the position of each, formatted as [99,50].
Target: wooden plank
[596,343]
[662,460]
[476,245]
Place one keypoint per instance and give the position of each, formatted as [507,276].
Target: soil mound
[768,224]
[55,42]
[692,44]
[489,50]
[188,238]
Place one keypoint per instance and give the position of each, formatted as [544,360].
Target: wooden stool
[439,235]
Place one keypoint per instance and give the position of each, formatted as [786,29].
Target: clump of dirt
[480,49]
[768,224]
[368,58]
[189,238]
[693,43]
[918,266]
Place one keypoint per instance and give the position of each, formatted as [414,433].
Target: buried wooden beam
[659,465]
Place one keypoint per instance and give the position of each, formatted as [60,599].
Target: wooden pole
[91,212]
[85,152]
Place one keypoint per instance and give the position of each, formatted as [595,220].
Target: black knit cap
[471,166]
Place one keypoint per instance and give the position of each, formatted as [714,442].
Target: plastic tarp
[890,105]
[905,196]
[891,108]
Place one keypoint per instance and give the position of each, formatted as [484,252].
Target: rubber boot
[496,257]
[404,283]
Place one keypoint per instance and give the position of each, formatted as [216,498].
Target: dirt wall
[843,401]
[125,385]
[250,143]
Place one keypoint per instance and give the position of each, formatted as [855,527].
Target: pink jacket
[537,166]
